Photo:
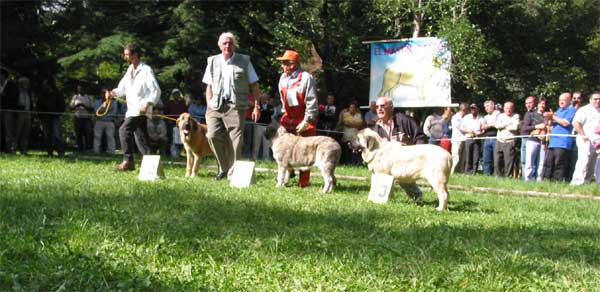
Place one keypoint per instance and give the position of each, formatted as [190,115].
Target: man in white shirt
[585,122]
[141,92]
[458,139]
[230,79]
[506,151]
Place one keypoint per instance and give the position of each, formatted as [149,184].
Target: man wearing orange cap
[299,97]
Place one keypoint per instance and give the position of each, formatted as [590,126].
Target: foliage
[501,49]
[75,225]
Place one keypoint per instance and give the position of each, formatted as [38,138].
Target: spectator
[351,122]
[585,121]
[530,103]
[576,103]
[556,162]
[329,116]
[23,121]
[471,126]
[9,96]
[249,128]
[83,106]
[446,141]
[489,132]
[508,126]
[277,109]
[458,139]
[157,134]
[197,108]
[433,126]
[535,152]
[51,107]
[174,107]
[597,149]
[371,115]
[142,92]
[227,97]
[396,127]
[576,100]
[105,125]
[259,142]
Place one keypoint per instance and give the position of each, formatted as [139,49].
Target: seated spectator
[351,122]
[105,125]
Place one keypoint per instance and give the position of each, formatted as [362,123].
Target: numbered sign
[381,188]
[151,168]
[243,174]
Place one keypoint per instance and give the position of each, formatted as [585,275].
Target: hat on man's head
[290,55]
[473,105]
[174,90]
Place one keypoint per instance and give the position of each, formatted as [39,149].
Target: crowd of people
[542,143]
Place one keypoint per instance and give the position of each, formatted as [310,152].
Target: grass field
[74,225]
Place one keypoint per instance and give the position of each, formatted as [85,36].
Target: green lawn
[74,225]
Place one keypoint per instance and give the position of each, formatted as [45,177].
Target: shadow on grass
[226,226]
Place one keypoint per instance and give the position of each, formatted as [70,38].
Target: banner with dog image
[414,72]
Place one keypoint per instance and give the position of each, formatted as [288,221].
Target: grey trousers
[225,134]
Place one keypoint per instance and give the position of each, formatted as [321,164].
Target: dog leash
[106,105]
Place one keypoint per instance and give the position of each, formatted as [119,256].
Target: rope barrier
[318,130]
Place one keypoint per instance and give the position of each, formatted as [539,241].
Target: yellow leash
[107,103]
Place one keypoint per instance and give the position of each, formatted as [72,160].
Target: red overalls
[292,117]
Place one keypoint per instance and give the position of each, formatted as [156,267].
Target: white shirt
[490,119]
[457,135]
[472,124]
[507,127]
[227,68]
[138,89]
[589,118]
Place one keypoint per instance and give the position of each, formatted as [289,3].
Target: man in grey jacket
[230,79]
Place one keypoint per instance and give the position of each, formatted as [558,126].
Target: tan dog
[407,164]
[297,152]
[193,138]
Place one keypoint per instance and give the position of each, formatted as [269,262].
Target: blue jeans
[489,148]
[523,157]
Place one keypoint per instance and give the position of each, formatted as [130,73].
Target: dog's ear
[371,142]
[177,122]
[193,124]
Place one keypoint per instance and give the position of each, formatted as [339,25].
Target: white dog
[407,163]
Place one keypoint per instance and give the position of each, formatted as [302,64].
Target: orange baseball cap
[290,55]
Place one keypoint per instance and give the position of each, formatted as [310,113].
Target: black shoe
[221,175]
